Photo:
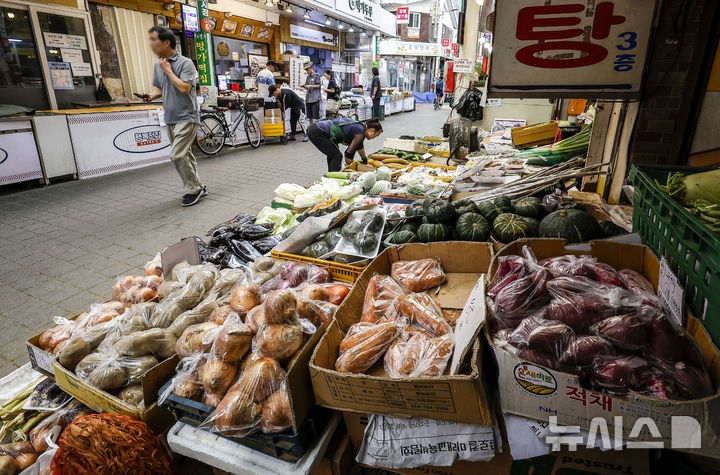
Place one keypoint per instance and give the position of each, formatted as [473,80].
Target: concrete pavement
[63,246]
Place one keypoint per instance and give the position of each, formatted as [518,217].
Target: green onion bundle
[558,152]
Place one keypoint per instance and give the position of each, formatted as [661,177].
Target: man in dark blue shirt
[289,100]
[376,92]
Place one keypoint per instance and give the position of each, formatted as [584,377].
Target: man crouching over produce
[327,135]
[175,79]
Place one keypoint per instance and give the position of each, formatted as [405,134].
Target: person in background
[264,80]
[375,92]
[327,135]
[289,100]
[439,92]
[175,80]
[313,84]
[333,92]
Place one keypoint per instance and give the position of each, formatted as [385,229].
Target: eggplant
[266,244]
[254,231]
[241,218]
[221,239]
[244,249]
[215,255]
[233,261]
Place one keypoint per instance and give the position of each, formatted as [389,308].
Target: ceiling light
[351,29]
[327,20]
[341,26]
[269,3]
[307,14]
[289,8]
[11,15]
[364,33]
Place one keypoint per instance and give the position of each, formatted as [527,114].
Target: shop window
[231,58]
[413,30]
[66,47]
[21,79]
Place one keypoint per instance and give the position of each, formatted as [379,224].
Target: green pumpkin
[570,205]
[365,242]
[472,227]
[489,211]
[439,211]
[403,237]
[529,206]
[533,226]
[415,208]
[318,249]
[333,237]
[502,201]
[410,225]
[610,229]
[508,227]
[372,221]
[572,225]
[350,230]
[468,207]
[433,232]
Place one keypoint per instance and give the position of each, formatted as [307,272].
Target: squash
[610,229]
[572,225]
[439,211]
[570,205]
[502,201]
[433,232]
[529,206]
[533,226]
[318,249]
[467,207]
[350,230]
[365,242]
[403,237]
[410,225]
[326,207]
[472,227]
[508,227]
[489,211]
[380,186]
[372,221]
[383,174]
[367,180]
[415,208]
[333,236]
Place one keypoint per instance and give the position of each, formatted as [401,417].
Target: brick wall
[675,82]
[424,30]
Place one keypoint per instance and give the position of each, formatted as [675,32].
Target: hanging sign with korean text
[569,48]
[203,48]
[403,15]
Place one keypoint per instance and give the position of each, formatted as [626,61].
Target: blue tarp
[424,97]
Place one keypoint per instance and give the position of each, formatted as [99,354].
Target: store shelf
[232,457]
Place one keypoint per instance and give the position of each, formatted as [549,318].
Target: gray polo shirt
[178,107]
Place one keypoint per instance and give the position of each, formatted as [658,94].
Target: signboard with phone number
[567,48]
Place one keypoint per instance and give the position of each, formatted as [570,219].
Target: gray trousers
[181,139]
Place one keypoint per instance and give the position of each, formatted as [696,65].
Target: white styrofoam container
[235,458]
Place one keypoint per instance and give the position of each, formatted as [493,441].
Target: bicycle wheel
[210,136]
[253,130]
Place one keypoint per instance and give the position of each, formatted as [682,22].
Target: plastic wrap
[618,375]
[636,282]
[196,339]
[281,307]
[416,354]
[362,233]
[201,313]
[584,349]
[61,332]
[276,415]
[626,332]
[135,289]
[244,297]
[419,275]
[550,338]
[102,370]
[226,281]
[515,300]
[154,266]
[279,340]
[381,291]
[418,309]
[364,344]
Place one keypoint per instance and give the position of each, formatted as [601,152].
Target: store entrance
[21,79]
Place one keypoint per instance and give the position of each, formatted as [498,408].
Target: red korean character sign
[570,48]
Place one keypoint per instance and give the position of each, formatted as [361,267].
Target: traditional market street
[64,245]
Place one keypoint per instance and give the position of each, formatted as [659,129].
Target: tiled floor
[63,246]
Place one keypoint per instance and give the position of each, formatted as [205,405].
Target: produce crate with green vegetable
[688,242]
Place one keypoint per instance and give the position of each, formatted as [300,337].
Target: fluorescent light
[14,40]
[314,22]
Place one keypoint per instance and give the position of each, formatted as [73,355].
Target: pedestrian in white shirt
[264,80]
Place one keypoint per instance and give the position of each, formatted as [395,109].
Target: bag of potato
[227,280]
[280,330]
[154,266]
[61,332]
[240,410]
[136,289]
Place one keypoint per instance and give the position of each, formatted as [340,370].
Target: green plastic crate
[691,249]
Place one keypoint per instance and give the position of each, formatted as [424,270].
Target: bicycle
[345,112]
[214,131]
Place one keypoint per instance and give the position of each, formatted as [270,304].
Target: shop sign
[463,65]
[409,48]
[315,36]
[403,15]
[365,11]
[570,48]
[455,49]
[203,48]
[60,40]
[446,42]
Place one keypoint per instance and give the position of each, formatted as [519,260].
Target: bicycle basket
[252,106]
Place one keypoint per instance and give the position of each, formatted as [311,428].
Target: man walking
[264,80]
[375,92]
[313,85]
[175,79]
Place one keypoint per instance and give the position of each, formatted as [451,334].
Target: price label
[671,292]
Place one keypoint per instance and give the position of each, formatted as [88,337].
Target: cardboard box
[535,134]
[462,397]
[277,113]
[273,120]
[533,391]
[40,360]
[581,462]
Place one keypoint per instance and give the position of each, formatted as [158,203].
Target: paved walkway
[63,246]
